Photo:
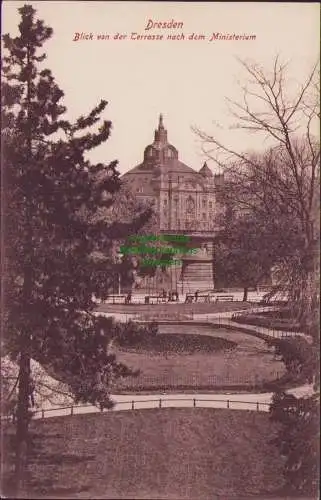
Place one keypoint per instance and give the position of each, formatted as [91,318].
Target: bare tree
[284,179]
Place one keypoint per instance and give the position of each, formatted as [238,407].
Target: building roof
[160,155]
[171,166]
[205,171]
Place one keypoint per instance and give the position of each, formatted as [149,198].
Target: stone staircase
[196,276]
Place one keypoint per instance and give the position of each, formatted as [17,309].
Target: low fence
[215,321]
[153,403]
[254,318]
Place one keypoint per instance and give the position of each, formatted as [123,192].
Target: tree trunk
[310,303]
[22,424]
[245,294]
[24,387]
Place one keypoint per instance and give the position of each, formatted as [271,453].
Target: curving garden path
[244,401]
[217,319]
[233,401]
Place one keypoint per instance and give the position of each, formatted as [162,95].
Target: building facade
[186,202]
[185,198]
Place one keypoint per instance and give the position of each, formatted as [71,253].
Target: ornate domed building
[186,202]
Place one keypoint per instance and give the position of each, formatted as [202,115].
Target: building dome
[205,171]
[160,151]
[161,166]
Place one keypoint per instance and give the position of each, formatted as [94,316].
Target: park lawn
[250,362]
[271,319]
[172,309]
[156,454]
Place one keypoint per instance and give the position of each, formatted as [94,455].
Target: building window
[203,216]
[165,202]
[204,203]
[210,204]
[190,204]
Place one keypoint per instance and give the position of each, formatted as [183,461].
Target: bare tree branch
[285,178]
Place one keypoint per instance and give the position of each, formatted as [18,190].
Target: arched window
[190,204]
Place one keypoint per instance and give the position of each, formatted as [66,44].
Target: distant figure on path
[188,299]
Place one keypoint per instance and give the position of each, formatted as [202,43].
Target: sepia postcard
[160,239]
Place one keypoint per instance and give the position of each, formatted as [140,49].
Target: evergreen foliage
[52,235]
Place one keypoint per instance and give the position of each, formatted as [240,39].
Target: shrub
[133,334]
[300,358]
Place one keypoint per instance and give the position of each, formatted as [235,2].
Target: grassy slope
[157,454]
[251,361]
[270,319]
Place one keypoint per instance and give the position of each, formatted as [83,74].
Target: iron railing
[141,404]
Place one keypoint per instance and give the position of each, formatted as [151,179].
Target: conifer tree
[50,273]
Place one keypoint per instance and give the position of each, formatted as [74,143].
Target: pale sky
[186,80]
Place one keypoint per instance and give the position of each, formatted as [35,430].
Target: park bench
[224,298]
[155,299]
[201,297]
[117,299]
[208,297]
